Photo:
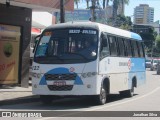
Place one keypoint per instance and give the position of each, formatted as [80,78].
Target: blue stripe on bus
[138,70]
[61,70]
[135,36]
[137,64]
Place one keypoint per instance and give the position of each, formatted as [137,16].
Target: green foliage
[115,6]
[148,40]
[125,27]
[123,22]
[158,42]
[77,2]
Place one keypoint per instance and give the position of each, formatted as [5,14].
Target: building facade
[82,15]
[15,36]
[143,14]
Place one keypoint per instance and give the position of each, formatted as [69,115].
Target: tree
[107,2]
[62,11]
[94,3]
[158,42]
[123,3]
[87,1]
[76,2]
[104,4]
[124,22]
[116,3]
[93,7]
[149,41]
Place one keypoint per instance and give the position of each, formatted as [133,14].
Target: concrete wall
[18,16]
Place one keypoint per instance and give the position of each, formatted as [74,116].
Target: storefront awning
[41,5]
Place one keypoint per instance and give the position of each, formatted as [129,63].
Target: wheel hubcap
[103,96]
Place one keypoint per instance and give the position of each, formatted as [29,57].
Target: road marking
[125,101]
[102,107]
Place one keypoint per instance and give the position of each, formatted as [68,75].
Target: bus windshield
[67,46]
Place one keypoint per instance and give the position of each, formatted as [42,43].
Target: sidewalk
[16,95]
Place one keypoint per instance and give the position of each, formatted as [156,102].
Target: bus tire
[130,92]
[102,97]
[46,99]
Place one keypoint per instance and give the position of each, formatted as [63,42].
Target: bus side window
[134,48]
[120,46]
[113,45]
[142,44]
[127,44]
[140,49]
[104,51]
[36,40]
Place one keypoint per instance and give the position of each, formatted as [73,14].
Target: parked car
[148,63]
[154,64]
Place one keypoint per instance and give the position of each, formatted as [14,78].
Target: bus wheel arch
[106,84]
[134,81]
[104,91]
[130,92]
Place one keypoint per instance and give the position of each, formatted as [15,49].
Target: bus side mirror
[104,36]
[36,40]
[93,54]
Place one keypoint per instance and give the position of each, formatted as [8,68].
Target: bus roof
[98,26]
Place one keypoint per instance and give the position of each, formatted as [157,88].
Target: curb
[27,99]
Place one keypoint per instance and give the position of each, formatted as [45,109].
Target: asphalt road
[146,98]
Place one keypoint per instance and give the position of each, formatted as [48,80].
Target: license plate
[59,83]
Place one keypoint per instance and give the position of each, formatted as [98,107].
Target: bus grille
[60,88]
[60,76]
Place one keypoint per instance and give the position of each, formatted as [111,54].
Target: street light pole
[62,11]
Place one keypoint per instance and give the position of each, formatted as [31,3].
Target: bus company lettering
[89,32]
[129,64]
[74,31]
[123,63]
[6,66]
[82,31]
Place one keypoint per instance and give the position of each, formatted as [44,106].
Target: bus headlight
[88,74]
[36,75]
[39,75]
[84,75]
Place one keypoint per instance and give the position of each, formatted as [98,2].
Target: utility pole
[62,11]
[93,7]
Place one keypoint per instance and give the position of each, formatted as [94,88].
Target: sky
[129,9]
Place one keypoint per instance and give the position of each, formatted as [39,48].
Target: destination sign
[76,31]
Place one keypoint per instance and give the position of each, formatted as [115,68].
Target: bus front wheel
[101,98]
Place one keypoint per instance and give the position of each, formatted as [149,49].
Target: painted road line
[108,106]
